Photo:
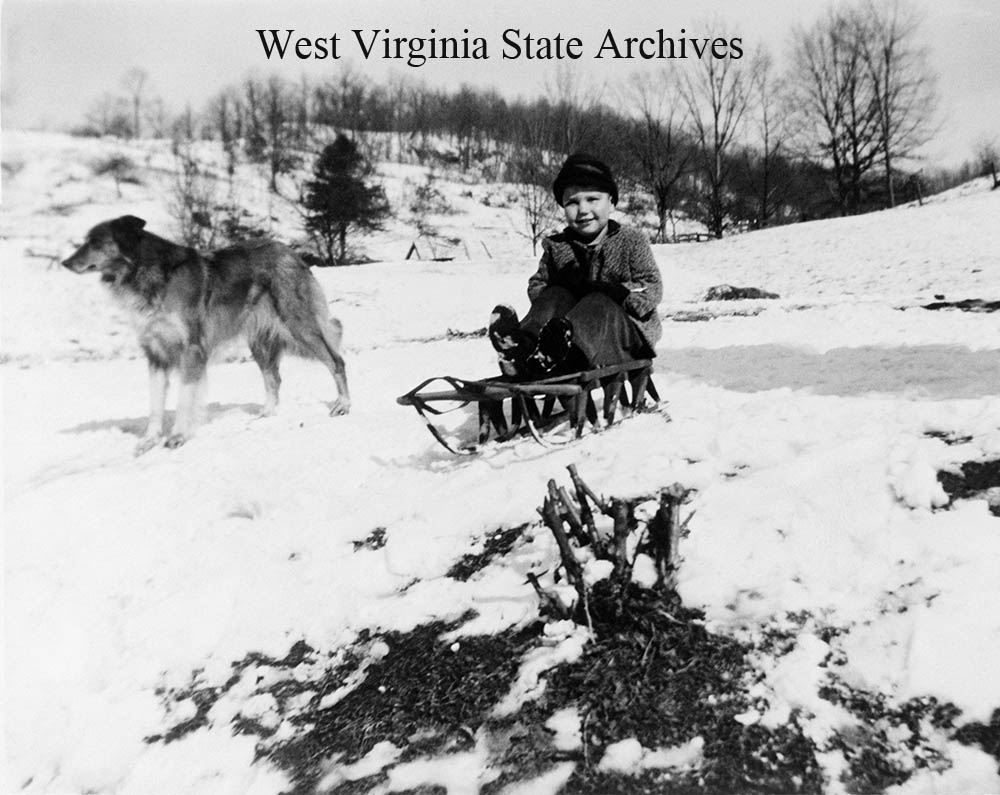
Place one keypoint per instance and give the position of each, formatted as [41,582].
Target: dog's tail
[331,329]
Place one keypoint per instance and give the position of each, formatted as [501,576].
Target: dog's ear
[127,232]
[129,223]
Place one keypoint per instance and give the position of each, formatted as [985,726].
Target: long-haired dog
[188,303]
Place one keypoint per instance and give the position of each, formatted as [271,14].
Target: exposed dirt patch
[986,736]
[703,315]
[966,305]
[375,540]
[950,438]
[425,696]
[975,480]
[653,673]
[727,292]
[889,743]
[656,674]
[497,544]
[204,698]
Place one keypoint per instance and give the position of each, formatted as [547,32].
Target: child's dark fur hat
[585,171]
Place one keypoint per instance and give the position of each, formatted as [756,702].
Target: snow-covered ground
[811,427]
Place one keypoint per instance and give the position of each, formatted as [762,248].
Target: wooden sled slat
[497,398]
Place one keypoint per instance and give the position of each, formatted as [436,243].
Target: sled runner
[512,408]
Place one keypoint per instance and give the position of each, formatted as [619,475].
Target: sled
[510,408]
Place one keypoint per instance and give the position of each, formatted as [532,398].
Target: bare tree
[987,154]
[193,199]
[903,88]
[836,103]
[466,125]
[120,168]
[341,100]
[396,94]
[270,126]
[303,110]
[420,113]
[134,84]
[157,117]
[571,103]
[717,97]
[280,124]
[769,118]
[109,116]
[532,166]
[661,151]
[226,115]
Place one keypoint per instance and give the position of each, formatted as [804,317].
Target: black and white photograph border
[759,553]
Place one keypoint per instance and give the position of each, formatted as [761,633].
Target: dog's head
[111,247]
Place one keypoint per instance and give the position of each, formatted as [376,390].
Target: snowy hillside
[812,428]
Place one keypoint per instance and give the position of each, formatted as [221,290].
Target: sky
[61,56]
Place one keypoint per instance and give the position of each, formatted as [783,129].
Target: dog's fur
[187,304]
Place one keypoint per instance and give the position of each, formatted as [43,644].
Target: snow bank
[803,428]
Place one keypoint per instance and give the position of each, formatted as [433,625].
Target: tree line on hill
[734,145]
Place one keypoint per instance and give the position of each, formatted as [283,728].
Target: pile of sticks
[570,517]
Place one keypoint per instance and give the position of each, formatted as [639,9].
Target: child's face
[587,210]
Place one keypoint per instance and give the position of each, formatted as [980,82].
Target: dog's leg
[319,338]
[331,333]
[158,382]
[267,353]
[193,383]
[301,312]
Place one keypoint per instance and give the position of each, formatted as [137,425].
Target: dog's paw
[146,444]
[175,440]
[340,407]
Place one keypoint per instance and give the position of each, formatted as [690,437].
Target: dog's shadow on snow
[939,372]
[136,426]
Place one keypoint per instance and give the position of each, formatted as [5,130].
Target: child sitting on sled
[595,294]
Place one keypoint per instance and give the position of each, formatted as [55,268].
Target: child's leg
[603,332]
[551,302]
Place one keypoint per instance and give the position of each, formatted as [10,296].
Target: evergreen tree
[338,198]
